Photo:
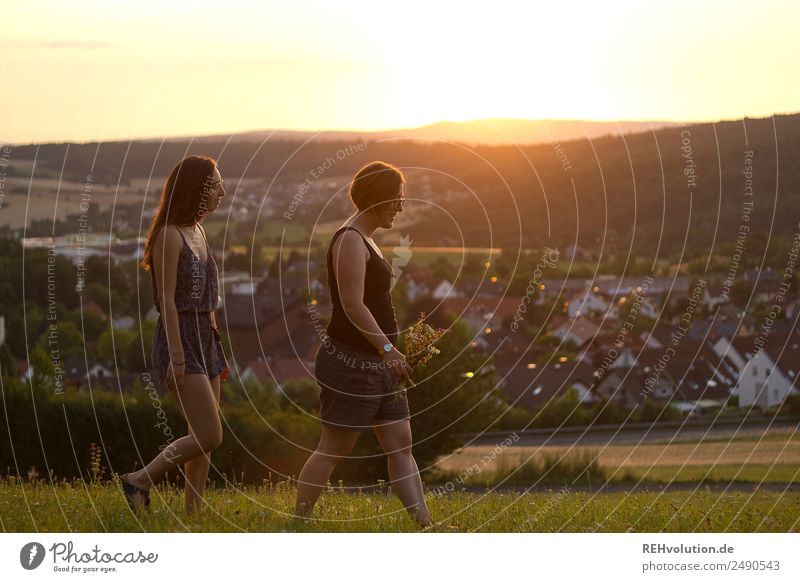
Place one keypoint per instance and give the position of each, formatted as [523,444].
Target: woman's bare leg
[195,470]
[198,404]
[333,446]
[395,439]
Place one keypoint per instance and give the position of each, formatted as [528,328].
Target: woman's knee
[399,453]
[394,437]
[335,452]
[335,448]
[399,444]
[210,439]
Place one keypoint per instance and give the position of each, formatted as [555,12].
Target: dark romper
[356,386]
[196,296]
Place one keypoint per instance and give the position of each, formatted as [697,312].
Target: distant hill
[672,190]
[482,131]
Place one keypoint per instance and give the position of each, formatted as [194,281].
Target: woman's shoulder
[349,240]
[344,229]
[168,235]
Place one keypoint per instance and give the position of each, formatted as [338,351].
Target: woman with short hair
[358,365]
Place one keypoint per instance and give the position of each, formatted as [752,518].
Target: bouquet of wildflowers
[418,346]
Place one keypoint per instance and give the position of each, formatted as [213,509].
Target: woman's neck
[363,222]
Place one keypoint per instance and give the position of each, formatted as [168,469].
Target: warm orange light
[273,52]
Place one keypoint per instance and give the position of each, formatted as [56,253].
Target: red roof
[505,307]
[582,327]
[280,370]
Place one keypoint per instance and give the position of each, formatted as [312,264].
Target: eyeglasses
[218,185]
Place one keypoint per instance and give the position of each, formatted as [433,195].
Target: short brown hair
[375,183]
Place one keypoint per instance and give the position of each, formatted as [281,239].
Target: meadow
[747,483]
[76,506]
[771,457]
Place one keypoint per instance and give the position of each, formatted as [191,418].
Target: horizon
[681,123]
[88,71]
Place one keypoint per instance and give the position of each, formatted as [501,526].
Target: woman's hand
[174,378]
[396,362]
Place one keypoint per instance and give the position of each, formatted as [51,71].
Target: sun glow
[108,70]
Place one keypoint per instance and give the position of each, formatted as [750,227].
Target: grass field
[81,507]
[773,457]
[720,473]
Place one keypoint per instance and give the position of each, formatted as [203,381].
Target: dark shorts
[357,390]
[202,353]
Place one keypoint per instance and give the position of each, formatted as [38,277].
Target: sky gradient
[104,70]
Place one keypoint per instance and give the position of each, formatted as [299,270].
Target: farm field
[773,457]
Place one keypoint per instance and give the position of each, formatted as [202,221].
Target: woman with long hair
[187,351]
[358,365]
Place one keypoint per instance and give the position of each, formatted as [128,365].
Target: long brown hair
[182,198]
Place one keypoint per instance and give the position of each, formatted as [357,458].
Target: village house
[585,303]
[578,331]
[532,386]
[684,375]
[276,371]
[766,375]
[715,294]
[481,313]
[728,320]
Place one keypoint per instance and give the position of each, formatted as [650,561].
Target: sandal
[132,491]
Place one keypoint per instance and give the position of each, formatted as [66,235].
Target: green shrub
[791,406]
[55,433]
[573,468]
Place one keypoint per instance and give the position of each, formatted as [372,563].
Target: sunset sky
[102,69]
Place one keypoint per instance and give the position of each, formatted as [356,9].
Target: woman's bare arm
[350,258]
[166,252]
[350,266]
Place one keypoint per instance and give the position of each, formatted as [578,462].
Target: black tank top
[377,298]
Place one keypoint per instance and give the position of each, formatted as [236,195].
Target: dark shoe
[135,496]
[301,513]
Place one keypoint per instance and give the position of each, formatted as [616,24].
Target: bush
[572,468]
[54,433]
[513,418]
[652,411]
[567,410]
[300,394]
[791,406]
